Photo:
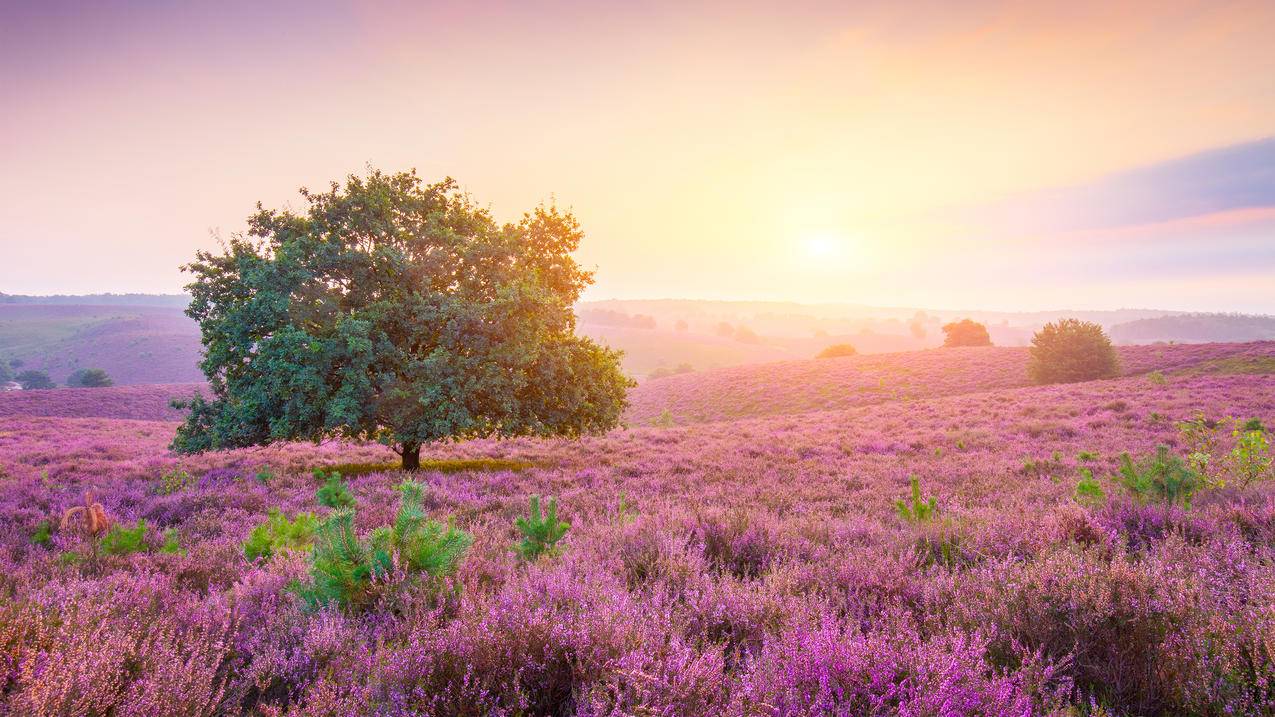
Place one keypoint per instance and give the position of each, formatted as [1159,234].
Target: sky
[1010,156]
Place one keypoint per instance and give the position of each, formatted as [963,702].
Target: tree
[399,312]
[837,351]
[966,333]
[1071,350]
[32,379]
[89,378]
[6,373]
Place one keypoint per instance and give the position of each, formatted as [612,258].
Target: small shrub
[344,569]
[540,532]
[1071,350]
[1157,378]
[334,493]
[1087,456]
[1250,457]
[1089,490]
[1161,477]
[174,481]
[917,510]
[664,420]
[278,534]
[42,535]
[625,512]
[172,543]
[125,541]
[264,476]
[837,351]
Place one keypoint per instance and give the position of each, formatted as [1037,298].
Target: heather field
[754,564]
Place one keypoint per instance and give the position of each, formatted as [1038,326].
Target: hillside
[828,384]
[737,569]
[1195,328]
[134,344]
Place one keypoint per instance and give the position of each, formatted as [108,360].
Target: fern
[278,534]
[917,510]
[540,532]
[343,568]
[334,493]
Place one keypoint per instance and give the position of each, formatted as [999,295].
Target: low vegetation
[1071,350]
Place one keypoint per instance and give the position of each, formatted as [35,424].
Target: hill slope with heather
[752,567]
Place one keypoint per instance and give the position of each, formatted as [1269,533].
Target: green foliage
[343,568]
[1253,424]
[174,481]
[6,372]
[42,535]
[120,540]
[89,378]
[1157,378]
[1088,490]
[540,531]
[918,509]
[394,311]
[264,476]
[625,512]
[1087,456]
[966,332]
[1161,477]
[1250,457]
[172,543]
[837,351]
[32,380]
[279,534]
[1071,350]
[334,493]
[664,420]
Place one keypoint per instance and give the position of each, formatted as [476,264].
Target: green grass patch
[437,465]
[1231,366]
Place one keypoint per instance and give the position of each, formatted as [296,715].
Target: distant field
[134,344]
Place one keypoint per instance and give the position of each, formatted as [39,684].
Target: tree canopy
[1071,350]
[32,379]
[89,378]
[966,332]
[396,311]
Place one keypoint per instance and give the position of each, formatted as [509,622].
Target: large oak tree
[396,311]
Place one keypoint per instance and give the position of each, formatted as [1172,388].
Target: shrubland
[1045,560]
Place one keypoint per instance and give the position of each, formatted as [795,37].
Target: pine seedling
[125,541]
[43,534]
[540,532]
[918,510]
[1161,477]
[1089,490]
[279,534]
[334,493]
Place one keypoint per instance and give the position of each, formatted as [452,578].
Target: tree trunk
[411,456]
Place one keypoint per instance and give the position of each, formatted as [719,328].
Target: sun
[823,245]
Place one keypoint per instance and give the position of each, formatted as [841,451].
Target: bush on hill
[837,351]
[966,333]
[32,380]
[89,378]
[1071,350]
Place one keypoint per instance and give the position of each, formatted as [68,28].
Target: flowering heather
[756,567]
[148,402]
[798,386]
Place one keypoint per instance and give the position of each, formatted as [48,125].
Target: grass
[1232,366]
[437,465]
